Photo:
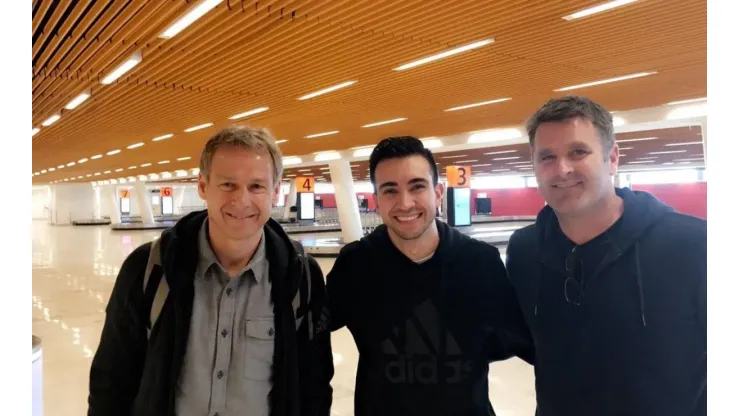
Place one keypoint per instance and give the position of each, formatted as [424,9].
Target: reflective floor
[74,269]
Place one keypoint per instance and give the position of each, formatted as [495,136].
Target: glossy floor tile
[74,269]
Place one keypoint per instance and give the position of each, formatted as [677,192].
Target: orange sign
[165,191]
[123,193]
[305,184]
[458,176]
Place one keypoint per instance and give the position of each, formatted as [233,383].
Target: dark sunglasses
[574,287]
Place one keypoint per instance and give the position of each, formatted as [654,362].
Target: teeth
[404,219]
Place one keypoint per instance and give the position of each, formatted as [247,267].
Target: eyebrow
[411,182]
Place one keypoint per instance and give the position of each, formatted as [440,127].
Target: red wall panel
[509,202]
[687,198]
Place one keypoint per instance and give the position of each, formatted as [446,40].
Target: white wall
[72,202]
[40,202]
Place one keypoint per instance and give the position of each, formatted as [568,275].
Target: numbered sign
[123,193]
[305,184]
[458,176]
[165,191]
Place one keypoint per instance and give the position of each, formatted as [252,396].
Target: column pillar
[145,203]
[704,142]
[290,198]
[344,192]
[111,205]
[178,196]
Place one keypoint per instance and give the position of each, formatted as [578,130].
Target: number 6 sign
[165,191]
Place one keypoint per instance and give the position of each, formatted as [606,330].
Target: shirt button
[228,292]
[224,333]
[220,375]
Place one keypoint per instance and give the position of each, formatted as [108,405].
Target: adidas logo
[424,352]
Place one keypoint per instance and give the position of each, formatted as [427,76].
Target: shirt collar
[207,258]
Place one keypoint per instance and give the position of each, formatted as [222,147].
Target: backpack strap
[302,298]
[155,286]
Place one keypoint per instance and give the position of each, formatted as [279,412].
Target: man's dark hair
[569,107]
[400,147]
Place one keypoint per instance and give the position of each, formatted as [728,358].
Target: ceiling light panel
[78,100]
[326,133]
[121,69]
[195,13]
[445,54]
[382,123]
[249,113]
[198,127]
[607,81]
[327,90]
[162,137]
[480,104]
[600,8]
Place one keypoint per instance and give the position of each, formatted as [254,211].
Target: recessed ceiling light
[445,54]
[665,152]
[78,100]
[83,160]
[114,152]
[135,145]
[500,152]
[518,163]
[641,161]
[500,170]
[96,174]
[180,159]
[683,144]
[327,90]
[188,18]
[107,172]
[249,113]
[607,81]
[198,127]
[642,139]
[464,107]
[89,175]
[280,141]
[453,157]
[145,165]
[382,123]
[327,133]
[163,137]
[163,162]
[481,165]
[71,164]
[507,158]
[693,100]
[119,170]
[626,148]
[467,161]
[131,167]
[598,9]
[121,69]
[431,143]
[52,169]
[96,157]
[51,120]
[494,135]
[34,131]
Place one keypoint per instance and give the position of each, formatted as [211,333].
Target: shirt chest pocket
[260,347]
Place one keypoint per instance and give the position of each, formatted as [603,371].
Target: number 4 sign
[458,176]
[305,184]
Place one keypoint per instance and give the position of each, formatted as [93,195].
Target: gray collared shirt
[228,360]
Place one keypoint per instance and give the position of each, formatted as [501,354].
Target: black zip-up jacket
[131,375]
[637,344]
[426,333]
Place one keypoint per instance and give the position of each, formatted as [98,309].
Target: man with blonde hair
[224,314]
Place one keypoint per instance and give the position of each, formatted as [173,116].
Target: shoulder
[525,236]
[676,229]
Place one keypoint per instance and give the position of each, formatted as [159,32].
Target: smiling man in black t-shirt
[429,308]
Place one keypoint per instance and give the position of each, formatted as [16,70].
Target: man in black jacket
[612,282]
[224,314]
[429,307]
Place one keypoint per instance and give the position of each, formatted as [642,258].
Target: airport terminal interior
[125,94]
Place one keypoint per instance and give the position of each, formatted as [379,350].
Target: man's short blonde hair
[257,140]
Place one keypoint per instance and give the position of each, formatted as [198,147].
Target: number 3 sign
[305,184]
[458,176]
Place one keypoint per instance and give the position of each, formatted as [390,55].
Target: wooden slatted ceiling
[244,55]
[633,151]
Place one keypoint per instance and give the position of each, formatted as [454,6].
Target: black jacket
[426,333]
[131,375]
[637,343]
